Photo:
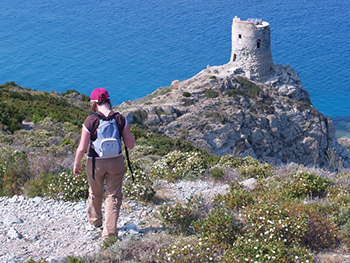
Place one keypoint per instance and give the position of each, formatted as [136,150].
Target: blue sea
[134,47]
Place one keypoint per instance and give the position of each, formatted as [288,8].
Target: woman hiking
[102,167]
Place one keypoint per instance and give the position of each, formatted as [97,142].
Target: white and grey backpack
[108,143]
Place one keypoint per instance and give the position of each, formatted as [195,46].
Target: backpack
[108,142]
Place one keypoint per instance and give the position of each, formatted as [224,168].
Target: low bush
[256,171]
[14,172]
[180,217]
[249,88]
[177,216]
[305,183]
[141,189]
[247,166]
[161,144]
[193,249]
[217,172]
[209,93]
[177,165]
[38,186]
[247,249]
[290,222]
[68,187]
[219,227]
[236,198]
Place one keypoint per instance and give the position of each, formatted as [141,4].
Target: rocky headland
[223,111]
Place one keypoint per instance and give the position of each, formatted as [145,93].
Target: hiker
[100,170]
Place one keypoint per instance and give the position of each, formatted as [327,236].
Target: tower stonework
[251,48]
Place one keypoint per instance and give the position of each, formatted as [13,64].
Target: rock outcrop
[223,111]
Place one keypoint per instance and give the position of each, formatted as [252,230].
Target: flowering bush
[247,166]
[68,186]
[177,216]
[193,250]
[247,249]
[256,170]
[273,221]
[236,198]
[141,188]
[292,223]
[219,227]
[142,150]
[305,183]
[228,161]
[177,165]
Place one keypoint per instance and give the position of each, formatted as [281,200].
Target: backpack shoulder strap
[120,122]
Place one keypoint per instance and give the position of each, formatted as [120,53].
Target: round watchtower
[251,47]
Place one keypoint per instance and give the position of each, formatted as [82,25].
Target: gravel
[41,228]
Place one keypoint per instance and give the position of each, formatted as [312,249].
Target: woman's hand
[77,169]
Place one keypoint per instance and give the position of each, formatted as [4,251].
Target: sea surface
[134,47]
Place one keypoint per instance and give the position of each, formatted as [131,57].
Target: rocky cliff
[221,110]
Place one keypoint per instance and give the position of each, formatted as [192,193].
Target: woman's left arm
[128,138]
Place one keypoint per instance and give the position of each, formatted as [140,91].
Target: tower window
[258,43]
[239,36]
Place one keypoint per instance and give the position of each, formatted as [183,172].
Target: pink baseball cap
[99,94]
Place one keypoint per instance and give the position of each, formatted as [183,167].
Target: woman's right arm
[82,148]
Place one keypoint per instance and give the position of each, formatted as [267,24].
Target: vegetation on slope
[18,104]
[293,214]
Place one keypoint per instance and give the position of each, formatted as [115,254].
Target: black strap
[93,168]
[128,161]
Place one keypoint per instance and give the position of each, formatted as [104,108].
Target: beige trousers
[109,171]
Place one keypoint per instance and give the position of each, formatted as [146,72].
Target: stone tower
[251,48]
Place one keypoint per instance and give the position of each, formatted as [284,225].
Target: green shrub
[249,88]
[188,102]
[256,170]
[236,198]
[209,93]
[290,222]
[220,227]
[14,172]
[217,172]
[139,116]
[67,141]
[235,93]
[186,94]
[31,260]
[68,186]
[141,188]
[193,250]
[247,249]
[177,165]
[38,186]
[177,216]
[305,183]
[161,144]
[180,216]
[25,104]
[109,242]
[247,166]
